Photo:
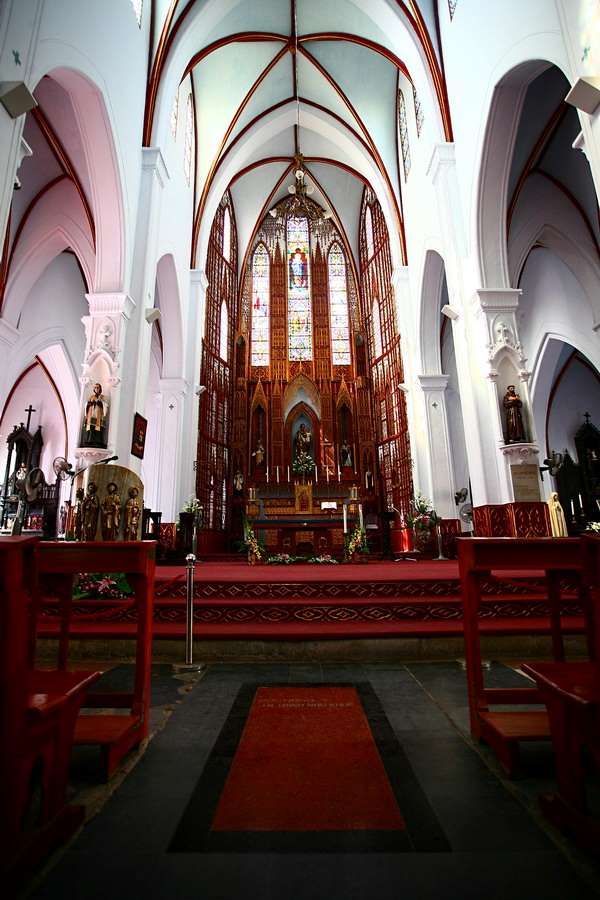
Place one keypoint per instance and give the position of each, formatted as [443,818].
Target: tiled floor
[500,849]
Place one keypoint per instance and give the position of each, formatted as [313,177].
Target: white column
[173,432]
[193,353]
[136,355]
[441,474]
[19,33]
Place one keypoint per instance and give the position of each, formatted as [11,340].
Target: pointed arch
[224,332]
[338,306]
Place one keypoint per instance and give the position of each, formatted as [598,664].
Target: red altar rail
[520,520]
[58,563]
[38,711]
[557,558]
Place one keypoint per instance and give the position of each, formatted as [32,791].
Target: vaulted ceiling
[274,78]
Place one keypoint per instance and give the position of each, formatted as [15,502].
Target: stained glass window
[137,8]
[403,129]
[175,114]
[369,232]
[260,307]
[338,307]
[299,307]
[452,4]
[227,235]
[418,112]
[376,324]
[188,151]
[224,332]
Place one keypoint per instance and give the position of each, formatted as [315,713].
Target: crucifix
[29,410]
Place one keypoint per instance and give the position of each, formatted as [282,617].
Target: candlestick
[354,459]
[572,507]
[345,511]
[267,474]
[580,502]
[288,468]
[277,473]
[339,474]
[360,517]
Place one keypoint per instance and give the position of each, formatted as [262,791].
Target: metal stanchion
[440,555]
[189,665]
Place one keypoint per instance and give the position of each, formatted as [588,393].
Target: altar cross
[29,410]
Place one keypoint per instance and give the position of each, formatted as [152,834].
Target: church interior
[300,448]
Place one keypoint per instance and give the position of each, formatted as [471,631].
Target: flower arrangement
[422,516]
[102,586]
[193,505]
[252,543]
[283,559]
[302,463]
[357,541]
[325,559]
[593,526]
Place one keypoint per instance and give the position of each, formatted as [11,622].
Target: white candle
[580,502]
[277,473]
[327,470]
[316,474]
[267,474]
[572,507]
[345,511]
[339,473]
[360,516]
[288,468]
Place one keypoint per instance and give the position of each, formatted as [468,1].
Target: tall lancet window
[299,308]
[260,306]
[227,235]
[338,307]
[403,129]
[224,332]
[188,150]
[369,232]
[376,325]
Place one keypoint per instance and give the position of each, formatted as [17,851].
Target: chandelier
[299,204]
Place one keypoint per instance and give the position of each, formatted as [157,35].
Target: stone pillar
[480,414]
[441,473]
[105,330]
[136,355]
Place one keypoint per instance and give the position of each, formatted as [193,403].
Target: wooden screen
[214,428]
[384,350]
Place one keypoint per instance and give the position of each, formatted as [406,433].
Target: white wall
[577,392]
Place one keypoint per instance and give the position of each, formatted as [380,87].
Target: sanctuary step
[303,602]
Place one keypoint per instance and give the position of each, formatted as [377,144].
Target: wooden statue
[89,513]
[78,514]
[515,432]
[557,517]
[96,412]
[132,516]
[111,513]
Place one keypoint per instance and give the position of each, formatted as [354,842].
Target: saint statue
[94,423]
[515,432]
[346,456]
[78,514]
[111,513]
[259,454]
[89,513]
[302,440]
[558,522]
[238,482]
[132,515]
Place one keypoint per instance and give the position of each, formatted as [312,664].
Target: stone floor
[500,846]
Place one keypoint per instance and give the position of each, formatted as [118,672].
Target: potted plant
[422,519]
[254,548]
[356,548]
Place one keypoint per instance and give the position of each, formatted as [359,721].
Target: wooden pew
[37,722]
[478,557]
[571,692]
[58,563]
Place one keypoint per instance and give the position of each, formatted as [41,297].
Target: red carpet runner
[307,762]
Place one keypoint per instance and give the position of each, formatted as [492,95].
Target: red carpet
[307,762]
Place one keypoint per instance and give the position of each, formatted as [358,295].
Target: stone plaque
[526,483]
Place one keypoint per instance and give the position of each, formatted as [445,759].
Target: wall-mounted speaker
[16,98]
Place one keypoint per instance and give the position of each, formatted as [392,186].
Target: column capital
[110,304]
[498,299]
[154,162]
[433,382]
[198,277]
[442,155]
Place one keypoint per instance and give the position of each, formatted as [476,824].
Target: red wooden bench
[58,563]
[558,558]
[571,692]
[37,722]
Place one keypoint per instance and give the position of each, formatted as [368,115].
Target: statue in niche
[346,456]
[95,419]
[132,515]
[238,482]
[78,515]
[558,522]
[302,440]
[259,454]
[515,432]
[111,513]
[89,513]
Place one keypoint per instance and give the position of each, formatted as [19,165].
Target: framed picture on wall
[138,440]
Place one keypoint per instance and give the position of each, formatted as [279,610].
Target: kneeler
[571,692]
[478,557]
[58,564]
[37,722]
